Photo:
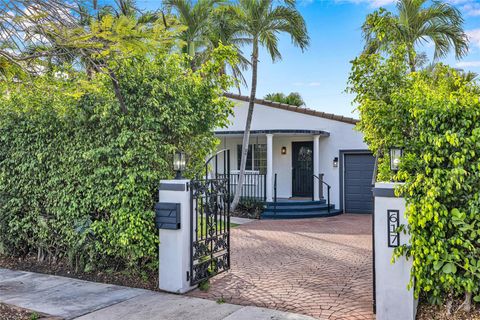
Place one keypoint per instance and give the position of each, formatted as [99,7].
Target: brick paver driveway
[318,267]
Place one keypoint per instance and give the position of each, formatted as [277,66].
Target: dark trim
[342,154]
[297,131]
[287,107]
[172,187]
[384,192]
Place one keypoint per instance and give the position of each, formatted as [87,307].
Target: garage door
[358,183]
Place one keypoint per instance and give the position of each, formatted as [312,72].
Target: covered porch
[281,164]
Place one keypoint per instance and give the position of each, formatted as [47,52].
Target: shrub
[435,116]
[250,208]
[78,177]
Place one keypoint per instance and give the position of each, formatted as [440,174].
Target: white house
[293,148]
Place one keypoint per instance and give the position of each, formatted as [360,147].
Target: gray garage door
[358,183]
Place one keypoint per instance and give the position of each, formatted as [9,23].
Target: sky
[320,73]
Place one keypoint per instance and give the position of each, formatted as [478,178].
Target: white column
[393,300]
[174,248]
[316,167]
[269,177]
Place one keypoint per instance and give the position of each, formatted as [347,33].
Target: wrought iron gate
[210,220]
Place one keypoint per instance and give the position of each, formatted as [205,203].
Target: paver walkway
[318,267]
[83,300]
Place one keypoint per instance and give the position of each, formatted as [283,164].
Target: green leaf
[449,268]
[437,265]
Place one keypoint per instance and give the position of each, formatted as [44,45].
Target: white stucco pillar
[174,247]
[269,178]
[316,167]
[393,299]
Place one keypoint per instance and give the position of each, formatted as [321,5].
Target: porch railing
[254,186]
[321,194]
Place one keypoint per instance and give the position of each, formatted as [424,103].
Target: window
[260,158]
[256,157]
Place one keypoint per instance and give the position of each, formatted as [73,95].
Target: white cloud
[474,37]
[472,9]
[306,2]
[371,3]
[468,7]
[314,84]
[468,64]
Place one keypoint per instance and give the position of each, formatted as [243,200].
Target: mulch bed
[144,280]
[8,312]
[431,312]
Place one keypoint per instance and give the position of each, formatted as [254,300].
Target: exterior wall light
[395,156]
[284,150]
[335,162]
[179,164]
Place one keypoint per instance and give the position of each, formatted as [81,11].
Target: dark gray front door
[358,183]
[302,169]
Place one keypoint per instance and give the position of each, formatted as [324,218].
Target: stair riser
[297,203]
[299,209]
[300,216]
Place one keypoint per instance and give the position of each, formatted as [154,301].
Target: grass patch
[202,225]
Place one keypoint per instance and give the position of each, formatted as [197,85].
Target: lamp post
[396,154]
[179,164]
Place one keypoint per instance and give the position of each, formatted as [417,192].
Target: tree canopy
[416,22]
[293,98]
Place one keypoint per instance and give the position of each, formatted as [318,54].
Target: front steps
[294,209]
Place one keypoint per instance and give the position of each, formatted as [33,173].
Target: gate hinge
[188,276]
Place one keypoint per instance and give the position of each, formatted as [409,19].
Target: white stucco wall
[343,136]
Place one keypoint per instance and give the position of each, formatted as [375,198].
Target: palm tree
[262,21]
[417,22]
[196,17]
[293,99]
[225,30]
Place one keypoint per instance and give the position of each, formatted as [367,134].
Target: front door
[302,169]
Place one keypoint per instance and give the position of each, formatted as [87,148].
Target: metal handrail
[319,190]
[275,195]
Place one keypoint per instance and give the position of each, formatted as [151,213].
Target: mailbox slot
[167,215]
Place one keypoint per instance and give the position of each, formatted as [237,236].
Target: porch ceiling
[285,132]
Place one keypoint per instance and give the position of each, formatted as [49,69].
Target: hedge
[79,178]
[434,115]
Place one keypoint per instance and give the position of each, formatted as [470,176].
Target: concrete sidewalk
[77,299]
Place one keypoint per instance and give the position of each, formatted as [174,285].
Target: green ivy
[79,178]
[435,116]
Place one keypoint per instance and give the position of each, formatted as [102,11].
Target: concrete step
[296,203]
[301,208]
[300,215]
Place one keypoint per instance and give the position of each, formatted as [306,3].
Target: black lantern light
[335,162]
[179,164]
[284,150]
[396,154]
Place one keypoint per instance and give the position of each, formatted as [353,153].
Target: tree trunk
[118,93]
[246,133]
[466,306]
[411,59]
